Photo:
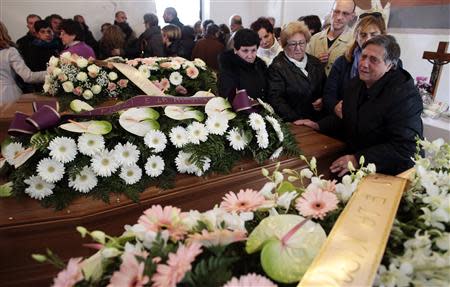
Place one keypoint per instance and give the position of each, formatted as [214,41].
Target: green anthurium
[92,127]
[6,189]
[22,157]
[140,128]
[140,114]
[204,94]
[183,113]
[289,244]
[93,267]
[217,105]
[80,106]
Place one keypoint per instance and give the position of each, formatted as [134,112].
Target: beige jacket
[318,44]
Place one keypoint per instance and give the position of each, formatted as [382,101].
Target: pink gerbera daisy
[69,276]
[217,237]
[245,200]
[131,273]
[158,219]
[250,280]
[192,72]
[168,275]
[316,203]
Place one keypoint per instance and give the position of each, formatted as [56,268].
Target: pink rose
[77,91]
[123,83]
[112,86]
[165,84]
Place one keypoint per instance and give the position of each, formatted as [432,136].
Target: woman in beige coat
[11,63]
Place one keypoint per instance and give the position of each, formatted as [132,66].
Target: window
[188,10]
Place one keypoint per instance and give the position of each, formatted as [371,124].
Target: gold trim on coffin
[353,251]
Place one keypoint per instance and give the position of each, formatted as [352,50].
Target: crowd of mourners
[343,77]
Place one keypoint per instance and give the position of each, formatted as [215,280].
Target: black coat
[381,122]
[151,43]
[291,92]
[237,74]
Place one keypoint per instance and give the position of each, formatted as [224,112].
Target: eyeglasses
[374,14]
[300,44]
[339,12]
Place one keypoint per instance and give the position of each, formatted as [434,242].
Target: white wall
[412,42]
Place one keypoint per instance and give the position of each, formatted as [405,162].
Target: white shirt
[300,64]
[267,55]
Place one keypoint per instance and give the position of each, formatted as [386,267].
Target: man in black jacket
[381,112]
[24,42]
[170,16]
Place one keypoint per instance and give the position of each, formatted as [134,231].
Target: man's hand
[323,57]
[308,123]
[318,104]
[340,165]
[338,109]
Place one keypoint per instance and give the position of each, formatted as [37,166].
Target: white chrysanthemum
[179,136]
[237,139]
[256,121]
[175,65]
[90,144]
[262,137]
[276,126]
[38,188]
[85,181]
[217,124]
[11,151]
[276,153]
[104,164]
[50,170]
[184,165]
[197,132]
[154,166]
[127,154]
[156,140]
[266,106]
[199,63]
[176,78]
[206,165]
[63,149]
[131,174]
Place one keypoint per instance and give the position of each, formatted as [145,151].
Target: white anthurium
[80,106]
[139,121]
[22,157]
[91,127]
[183,113]
[219,105]
[204,94]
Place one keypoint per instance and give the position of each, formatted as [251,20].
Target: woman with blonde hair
[346,67]
[11,63]
[171,35]
[296,79]
[112,43]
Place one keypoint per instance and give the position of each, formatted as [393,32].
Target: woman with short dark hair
[240,68]
[72,38]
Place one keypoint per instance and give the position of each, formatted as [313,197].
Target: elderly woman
[346,66]
[296,79]
[381,112]
[72,38]
[11,63]
[240,68]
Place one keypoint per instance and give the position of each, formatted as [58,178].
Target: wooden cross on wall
[438,59]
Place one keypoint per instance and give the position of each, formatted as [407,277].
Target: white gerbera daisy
[104,163]
[154,166]
[176,78]
[156,140]
[11,151]
[179,136]
[217,124]
[276,153]
[237,139]
[50,170]
[85,181]
[127,154]
[256,121]
[197,132]
[276,126]
[184,165]
[262,137]
[90,144]
[63,149]
[38,188]
[131,174]
[206,165]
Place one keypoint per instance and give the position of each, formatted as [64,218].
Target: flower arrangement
[418,251]
[423,85]
[233,244]
[138,147]
[72,77]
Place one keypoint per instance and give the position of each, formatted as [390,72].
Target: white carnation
[176,78]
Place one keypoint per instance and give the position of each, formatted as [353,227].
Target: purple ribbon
[242,102]
[46,113]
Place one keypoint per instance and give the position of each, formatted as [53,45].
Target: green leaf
[6,189]
[285,186]
[212,271]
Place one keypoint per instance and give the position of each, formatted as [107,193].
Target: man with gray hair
[171,17]
[235,25]
[381,112]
